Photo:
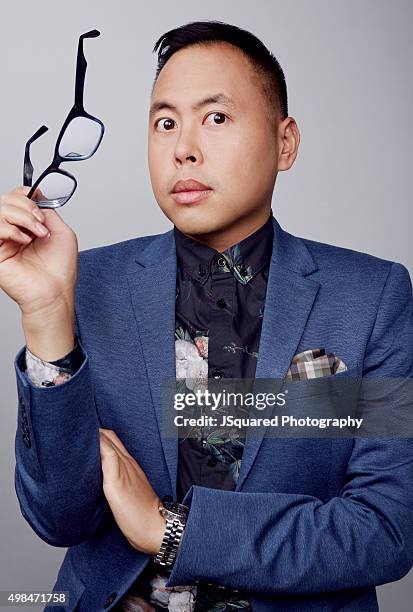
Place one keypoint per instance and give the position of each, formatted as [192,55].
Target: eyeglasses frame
[77,110]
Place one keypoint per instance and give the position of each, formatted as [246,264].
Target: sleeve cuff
[179,573]
[43,373]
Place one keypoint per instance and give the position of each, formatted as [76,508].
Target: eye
[167,123]
[219,116]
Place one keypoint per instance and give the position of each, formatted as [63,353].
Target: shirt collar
[243,259]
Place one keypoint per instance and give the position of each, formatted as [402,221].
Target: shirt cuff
[49,373]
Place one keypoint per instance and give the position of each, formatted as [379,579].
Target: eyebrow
[219,98]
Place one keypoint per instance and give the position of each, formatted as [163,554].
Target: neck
[224,238]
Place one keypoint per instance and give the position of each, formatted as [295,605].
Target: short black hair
[261,59]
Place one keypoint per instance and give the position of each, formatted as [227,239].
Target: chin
[194,218]
[195,226]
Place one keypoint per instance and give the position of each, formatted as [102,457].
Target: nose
[187,147]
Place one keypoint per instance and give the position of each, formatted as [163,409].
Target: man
[272,523]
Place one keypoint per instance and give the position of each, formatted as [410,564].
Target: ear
[289,138]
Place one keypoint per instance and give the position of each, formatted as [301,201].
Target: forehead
[198,70]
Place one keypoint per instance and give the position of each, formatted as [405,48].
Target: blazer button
[26,440]
[110,600]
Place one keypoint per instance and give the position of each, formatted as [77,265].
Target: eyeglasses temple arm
[28,166]
[81,68]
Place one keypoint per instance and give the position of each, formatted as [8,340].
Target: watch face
[179,509]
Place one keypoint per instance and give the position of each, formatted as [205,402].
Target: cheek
[156,162]
[261,162]
[250,166]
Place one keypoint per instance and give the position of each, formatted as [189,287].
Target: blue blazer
[313,524]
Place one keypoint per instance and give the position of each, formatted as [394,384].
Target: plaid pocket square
[314,363]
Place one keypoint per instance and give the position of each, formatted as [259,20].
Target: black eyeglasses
[79,139]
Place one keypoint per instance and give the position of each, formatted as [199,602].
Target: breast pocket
[323,385]
[324,407]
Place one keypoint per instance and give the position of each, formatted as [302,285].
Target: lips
[189,185]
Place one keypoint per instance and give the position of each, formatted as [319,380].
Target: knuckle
[21,189]
[29,205]
[4,209]
[14,231]
[33,227]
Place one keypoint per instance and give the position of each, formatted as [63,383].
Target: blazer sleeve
[290,543]
[58,475]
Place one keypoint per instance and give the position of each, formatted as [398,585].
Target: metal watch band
[174,529]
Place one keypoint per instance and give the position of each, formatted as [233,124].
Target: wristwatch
[175,515]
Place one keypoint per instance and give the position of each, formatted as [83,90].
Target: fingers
[16,211]
[110,460]
[120,448]
[113,438]
[21,189]
[12,233]
[18,197]
[24,190]
[49,217]
[21,201]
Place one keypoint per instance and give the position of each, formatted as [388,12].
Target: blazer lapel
[152,285]
[289,299]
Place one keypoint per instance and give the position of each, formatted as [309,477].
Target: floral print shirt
[218,316]
[220,301]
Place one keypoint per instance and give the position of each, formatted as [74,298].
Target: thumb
[53,221]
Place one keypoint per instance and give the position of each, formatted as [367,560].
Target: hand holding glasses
[79,139]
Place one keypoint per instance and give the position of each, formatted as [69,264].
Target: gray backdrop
[348,67]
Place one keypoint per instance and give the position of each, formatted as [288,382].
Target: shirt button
[217,374]
[221,261]
[221,303]
[212,461]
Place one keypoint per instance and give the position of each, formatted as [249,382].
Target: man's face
[231,149]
